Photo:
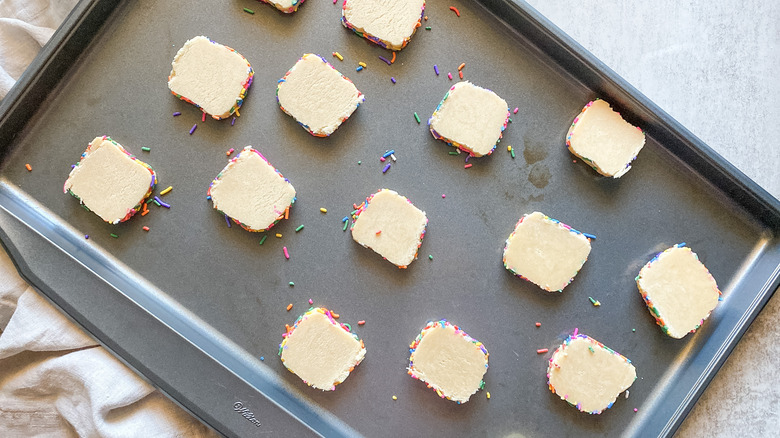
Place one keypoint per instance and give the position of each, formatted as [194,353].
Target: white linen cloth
[55,380]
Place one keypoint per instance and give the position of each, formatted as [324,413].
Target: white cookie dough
[251,192]
[213,77]
[388,23]
[317,95]
[286,6]
[448,360]
[320,351]
[588,375]
[545,252]
[604,140]
[470,118]
[391,226]
[109,181]
[679,291]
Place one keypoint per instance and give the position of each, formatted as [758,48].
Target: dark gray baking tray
[193,305]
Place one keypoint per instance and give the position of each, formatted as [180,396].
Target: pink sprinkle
[449,75]
[382,159]
[310,300]
[515,111]
[334,1]
[443,195]
[286,254]
[542,351]
[576,330]
[467,166]
[203,119]
[635,409]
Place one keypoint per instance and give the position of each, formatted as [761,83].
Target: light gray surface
[712,66]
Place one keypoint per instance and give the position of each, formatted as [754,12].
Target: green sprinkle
[453,153]
[346,224]
[262,241]
[146,149]
[348,326]
[633,330]
[156,202]
[430,257]
[482,384]
[359,162]
[416,117]
[300,227]
[509,119]
[512,152]
[591,349]
[592,301]
[249,11]
[291,284]
[427,27]
[114,236]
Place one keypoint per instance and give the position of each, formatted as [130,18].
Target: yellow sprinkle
[237,114]
[279,235]
[488,395]
[395,398]
[323,210]
[509,148]
[597,303]
[165,192]
[338,55]
[362,64]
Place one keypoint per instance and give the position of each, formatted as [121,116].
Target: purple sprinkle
[392,79]
[194,127]
[387,61]
[86,236]
[467,158]
[176,114]
[72,166]
[227,219]
[386,168]
[233,122]
[162,204]
[436,69]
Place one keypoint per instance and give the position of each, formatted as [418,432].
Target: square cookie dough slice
[678,289]
[391,225]
[601,138]
[545,251]
[449,361]
[286,6]
[110,181]
[588,375]
[470,118]
[317,96]
[388,23]
[319,350]
[251,191]
[213,77]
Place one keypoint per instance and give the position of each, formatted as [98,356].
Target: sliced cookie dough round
[213,77]
[317,96]
[470,118]
[448,360]
[678,289]
[286,6]
[391,225]
[545,251]
[319,350]
[110,181]
[251,191]
[387,23]
[604,140]
[588,375]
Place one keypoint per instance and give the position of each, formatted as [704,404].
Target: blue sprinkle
[680,245]
[360,67]
[388,153]
[346,218]
[589,236]
[262,358]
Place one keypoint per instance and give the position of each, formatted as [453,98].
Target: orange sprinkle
[455,10]
[393,59]
[361,322]
[143,213]
[287,213]
[460,67]
[460,73]
[426,18]
[538,324]
[379,232]
[417,25]
[146,228]
[334,315]
[542,351]
[289,306]
[29,168]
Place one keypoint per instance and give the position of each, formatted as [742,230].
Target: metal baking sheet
[193,305]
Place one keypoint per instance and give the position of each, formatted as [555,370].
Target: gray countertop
[713,67]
